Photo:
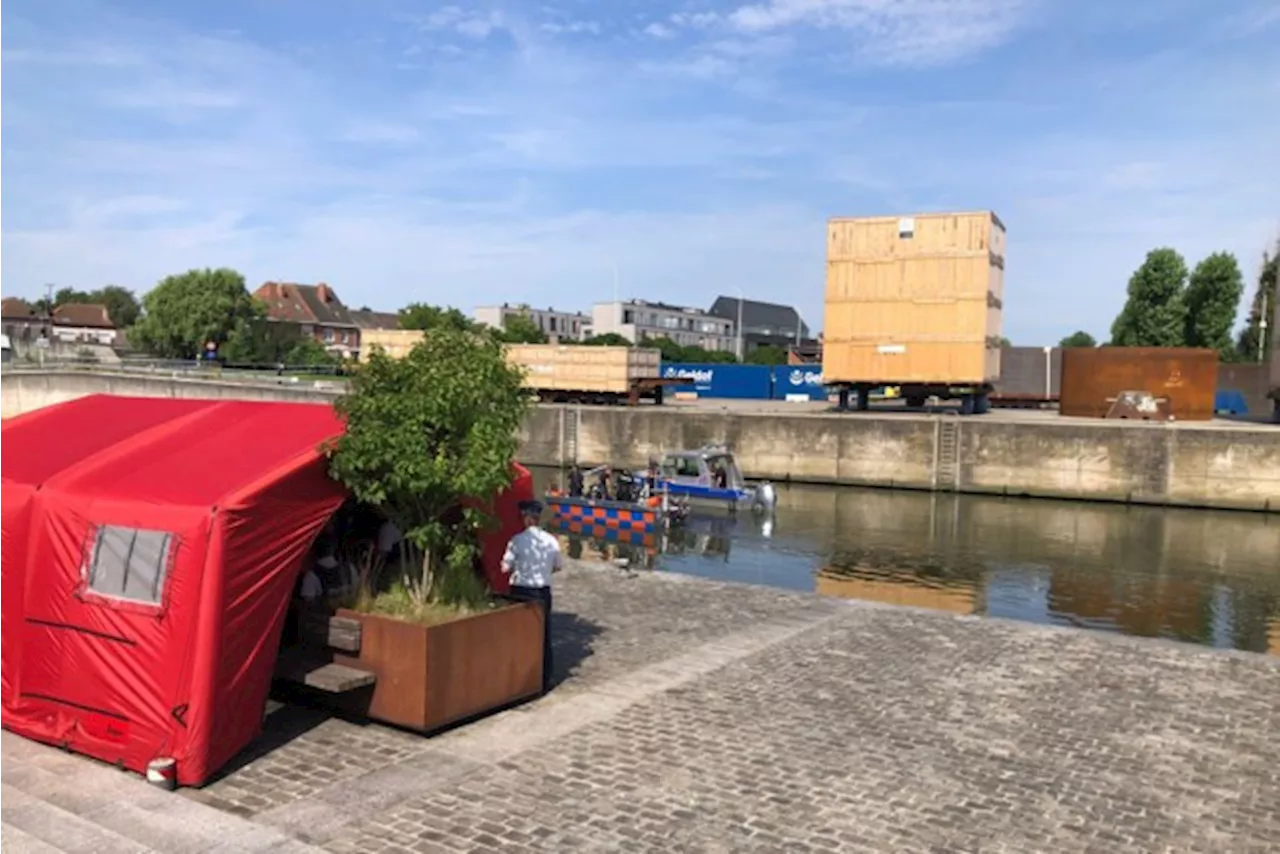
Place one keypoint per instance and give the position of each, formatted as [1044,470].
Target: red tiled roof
[83,314]
[14,308]
[294,303]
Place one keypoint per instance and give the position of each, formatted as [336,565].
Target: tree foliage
[608,339]
[420,315]
[259,342]
[1212,297]
[673,352]
[185,311]
[1079,338]
[122,306]
[767,354]
[1263,305]
[426,436]
[520,329]
[1155,313]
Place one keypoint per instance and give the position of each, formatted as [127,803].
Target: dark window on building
[628,316]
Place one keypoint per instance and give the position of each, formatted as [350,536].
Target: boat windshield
[681,467]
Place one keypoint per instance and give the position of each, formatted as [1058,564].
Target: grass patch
[401,605]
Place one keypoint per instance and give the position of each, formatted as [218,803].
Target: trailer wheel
[982,404]
[916,401]
[968,404]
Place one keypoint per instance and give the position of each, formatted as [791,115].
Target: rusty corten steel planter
[432,676]
[1093,377]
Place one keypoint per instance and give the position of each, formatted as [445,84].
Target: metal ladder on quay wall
[946,461]
[570,426]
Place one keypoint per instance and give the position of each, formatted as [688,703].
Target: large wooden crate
[606,370]
[914,299]
[395,342]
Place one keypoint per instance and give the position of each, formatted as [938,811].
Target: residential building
[20,321]
[369,319]
[638,319]
[317,312]
[559,325]
[764,323]
[83,323]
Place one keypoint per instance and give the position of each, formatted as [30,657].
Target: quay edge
[1205,465]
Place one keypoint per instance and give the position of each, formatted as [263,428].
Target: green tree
[673,352]
[420,315]
[1079,338]
[122,306]
[1154,315]
[608,339]
[767,354]
[309,353]
[1005,343]
[186,311]
[520,329]
[1263,305]
[1212,298]
[426,436]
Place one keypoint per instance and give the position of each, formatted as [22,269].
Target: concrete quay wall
[1198,466]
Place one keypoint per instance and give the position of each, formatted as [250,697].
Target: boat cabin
[712,467]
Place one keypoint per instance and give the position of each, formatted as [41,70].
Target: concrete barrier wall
[1147,464]
[25,391]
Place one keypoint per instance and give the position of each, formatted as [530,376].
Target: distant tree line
[1170,305]
[184,312]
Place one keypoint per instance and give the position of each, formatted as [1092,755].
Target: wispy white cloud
[901,32]
[699,157]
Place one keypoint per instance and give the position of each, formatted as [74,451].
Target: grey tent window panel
[130,563]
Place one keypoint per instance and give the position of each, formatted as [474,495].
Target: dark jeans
[543,596]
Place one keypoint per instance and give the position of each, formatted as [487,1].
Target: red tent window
[130,563]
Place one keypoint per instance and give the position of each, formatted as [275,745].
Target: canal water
[1205,577]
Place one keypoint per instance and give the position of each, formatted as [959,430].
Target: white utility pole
[1262,330]
[740,352]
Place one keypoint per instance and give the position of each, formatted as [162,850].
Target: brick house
[317,312]
[20,322]
[83,323]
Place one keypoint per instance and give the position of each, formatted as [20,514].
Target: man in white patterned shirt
[531,557]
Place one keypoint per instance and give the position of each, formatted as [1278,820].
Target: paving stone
[699,716]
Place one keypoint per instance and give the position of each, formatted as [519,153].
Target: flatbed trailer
[640,390]
[1022,401]
[974,398]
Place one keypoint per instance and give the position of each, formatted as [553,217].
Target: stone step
[59,829]
[102,803]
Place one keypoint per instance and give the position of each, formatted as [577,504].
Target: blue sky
[474,153]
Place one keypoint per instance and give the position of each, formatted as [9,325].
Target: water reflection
[1199,576]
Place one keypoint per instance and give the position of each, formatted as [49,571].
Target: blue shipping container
[745,382]
[798,381]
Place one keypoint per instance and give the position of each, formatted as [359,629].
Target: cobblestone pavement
[697,716]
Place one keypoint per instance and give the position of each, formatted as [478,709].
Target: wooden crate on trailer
[604,370]
[396,343]
[914,299]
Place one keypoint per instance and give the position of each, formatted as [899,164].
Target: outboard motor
[766,497]
[628,486]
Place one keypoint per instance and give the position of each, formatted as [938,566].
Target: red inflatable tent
[150,549]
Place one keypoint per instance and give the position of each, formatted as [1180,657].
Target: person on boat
[575,481]
[531,557]
[604,486]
